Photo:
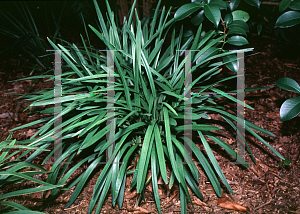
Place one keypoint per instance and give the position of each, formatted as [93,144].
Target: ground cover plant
[9,172]
[149,109]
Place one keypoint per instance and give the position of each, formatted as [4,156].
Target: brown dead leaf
[226,203]
[130,196]
[199,202]
[142,210]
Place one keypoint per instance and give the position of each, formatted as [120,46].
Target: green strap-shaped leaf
[169,143]
[160,154]
[28,191]
[14,205]
[154,178]
[143,156]
[104,192]
[214,161]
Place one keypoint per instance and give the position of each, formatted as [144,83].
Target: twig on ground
[171,198]
[263,204]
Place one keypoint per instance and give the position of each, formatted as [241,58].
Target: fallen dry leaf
[226,203]
[130,196]
[199,202]
[142,210]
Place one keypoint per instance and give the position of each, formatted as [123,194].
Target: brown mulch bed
[263,188]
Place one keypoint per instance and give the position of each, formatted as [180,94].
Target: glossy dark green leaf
[237,40]
[288,84]
[284,4]
[288,19]
[254,3]
[295,5]
[237,30]
[240,15]
[234,4]
[219,3]
[198,19]
[231,62]
[290,108]
[239,23]
[186,10]
[213,14]
[228,18]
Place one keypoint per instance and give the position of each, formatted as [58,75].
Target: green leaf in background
[288,19]
[259,28]
[219,3]
[237,40]
[240,15]
[288,84]
[239,23]
[295,5]
[254,3]
[237,30]
[234,4]
[213,13]
[186,10]
[284,4]
[198,19]
[290,109]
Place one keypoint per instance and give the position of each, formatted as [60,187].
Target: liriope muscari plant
[149,110]
[10,174]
